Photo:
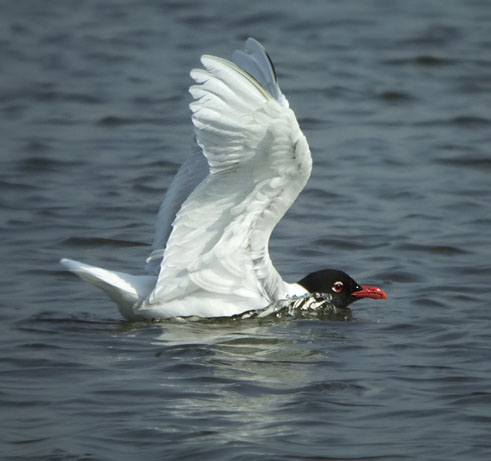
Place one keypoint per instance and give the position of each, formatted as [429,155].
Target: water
[394,98]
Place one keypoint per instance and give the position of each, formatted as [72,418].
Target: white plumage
[210,255]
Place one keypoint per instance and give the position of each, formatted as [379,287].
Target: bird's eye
[337,287]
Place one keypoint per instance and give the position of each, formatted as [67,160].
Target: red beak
[370,292]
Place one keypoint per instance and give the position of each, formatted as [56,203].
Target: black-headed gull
[210,254]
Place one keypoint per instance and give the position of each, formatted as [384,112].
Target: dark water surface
[395,99]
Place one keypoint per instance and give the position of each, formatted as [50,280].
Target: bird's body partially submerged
[210,255]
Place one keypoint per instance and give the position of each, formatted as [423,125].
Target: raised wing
[258,161]
[254,59]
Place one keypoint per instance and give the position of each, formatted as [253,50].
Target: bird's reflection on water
[246,372]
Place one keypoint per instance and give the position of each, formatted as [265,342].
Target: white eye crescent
[337,287]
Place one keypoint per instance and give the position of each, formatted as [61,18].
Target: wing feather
[189,175]
[255,60]
[258,161]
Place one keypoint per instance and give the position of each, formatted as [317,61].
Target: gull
[210,253]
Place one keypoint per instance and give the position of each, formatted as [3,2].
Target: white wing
[259,161]
[253,59]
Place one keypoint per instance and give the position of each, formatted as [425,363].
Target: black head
[343,289]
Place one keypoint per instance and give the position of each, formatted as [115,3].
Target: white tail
[128,291]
